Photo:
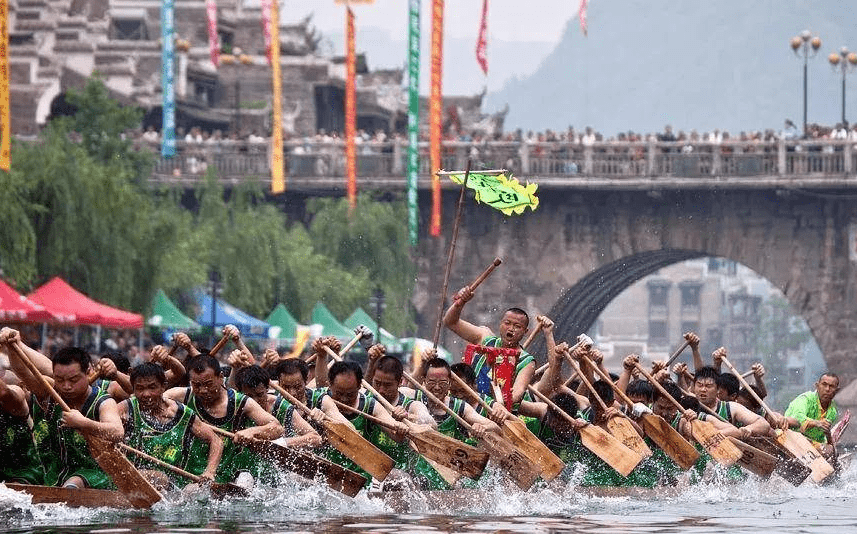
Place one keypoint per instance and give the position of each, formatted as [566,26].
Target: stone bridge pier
[581,248]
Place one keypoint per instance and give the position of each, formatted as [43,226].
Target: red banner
[213,40]
[482,43]
[435,112]
[6,127]
[581,14]
[278,179]
[350,111]
[266,27]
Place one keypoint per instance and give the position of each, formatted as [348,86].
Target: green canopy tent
[166,315]
[330,325]
[283,324]
[387,339]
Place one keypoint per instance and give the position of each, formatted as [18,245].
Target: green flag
[499,190]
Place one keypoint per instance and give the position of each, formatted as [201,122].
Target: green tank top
[170,441]
[403,456]
[234,458]
[424,473]
[363,426]
[283,410]
[63,451]
[19,461]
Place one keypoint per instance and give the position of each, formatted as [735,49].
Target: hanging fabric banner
[6,128]
[278,178]
[435,112]
[168,108]
[482,42]
[581,15]
[413,116]
[350,112]
[213,41]
[266,27]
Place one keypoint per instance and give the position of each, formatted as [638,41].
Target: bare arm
[306,436]
[418,413]
[522,381]
[109,426]
[375,353]
[755,423]
[551,380]
[12,400]
[693,341]
[758,374]
[452,319]
[474,418]
[627,367]
[267,427]
[215,445]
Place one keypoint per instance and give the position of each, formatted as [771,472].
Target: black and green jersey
[63,451]
[19,461]
[170,441]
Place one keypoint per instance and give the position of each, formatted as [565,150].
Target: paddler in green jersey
[814,412]
[345,380]
[19,461]
[254,382]
[112,375]
[465,372]
[513,327]
[744,422]
[554,429]
[679,421]
[437,382]
[60,444]
[227,409]
[164,428]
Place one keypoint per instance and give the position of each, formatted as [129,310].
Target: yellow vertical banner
[350,111]
[435,112]
[278,179]
[6,127]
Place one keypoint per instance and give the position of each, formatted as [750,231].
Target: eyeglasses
[433,383]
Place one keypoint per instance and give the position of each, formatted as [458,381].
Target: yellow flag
[301,338]
[278,179]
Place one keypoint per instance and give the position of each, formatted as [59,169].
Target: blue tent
[225,313]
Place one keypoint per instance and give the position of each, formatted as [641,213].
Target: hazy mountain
[695,65]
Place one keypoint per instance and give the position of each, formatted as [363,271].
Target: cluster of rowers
[165,424]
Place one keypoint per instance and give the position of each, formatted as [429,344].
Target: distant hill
[695,65]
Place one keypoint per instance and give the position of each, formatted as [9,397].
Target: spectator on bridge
[790,132]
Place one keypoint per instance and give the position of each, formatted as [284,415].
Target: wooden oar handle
[582,340]
[657,385]
[485,274]
[746,374]
[532,335]
[541,396]
[156,461]
[677,353]
[437,401]
[704,407]
[384,402]
[291,398]
[616,388]
[348,346]
[38,376]
[216,348]
[583,379]
[370,417]
[744,383]
[224,433]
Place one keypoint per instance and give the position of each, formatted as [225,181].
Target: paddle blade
[787,466]
[798,445]
[510,459]
[127,478]
[358,449]
[311,467]
[755,460]
[714,442]
[450,476]
[517,432]
[449,452]
[669,440]
[609,449]
[624,431]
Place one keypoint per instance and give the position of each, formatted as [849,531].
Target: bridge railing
[380,160]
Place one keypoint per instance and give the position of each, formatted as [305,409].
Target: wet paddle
[599,441]
[306,465]
[218,490]
[712,440]
[508,457]
[661,432]
[617,425]
[348,441]
[517,432]
[122,472]
[794,442]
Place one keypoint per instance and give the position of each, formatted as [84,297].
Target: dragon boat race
[418,266]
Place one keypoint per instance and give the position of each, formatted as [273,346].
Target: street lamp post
[805,45]
[215,287]
[377,301]
[844,60]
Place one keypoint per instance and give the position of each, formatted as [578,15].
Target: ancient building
[57,44]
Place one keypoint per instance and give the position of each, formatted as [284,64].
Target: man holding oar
[62,448]
[745,422]
[163,427]
[19,461]
[226,409]
[814,412]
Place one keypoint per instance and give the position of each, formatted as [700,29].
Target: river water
[771,506]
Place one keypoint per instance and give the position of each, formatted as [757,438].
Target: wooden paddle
[451,254]
[219,345]
[618,425]
[439,448]
[219,490]
[517,432]
[304,464]
[508,457]
[124,475]
[713,441]
[527,342]
[661,432]
[348,441]
[348,346]
[677,353]
[599,441]
[794,442]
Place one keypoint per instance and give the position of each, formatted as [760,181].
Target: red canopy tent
[60,298]
[16,308]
